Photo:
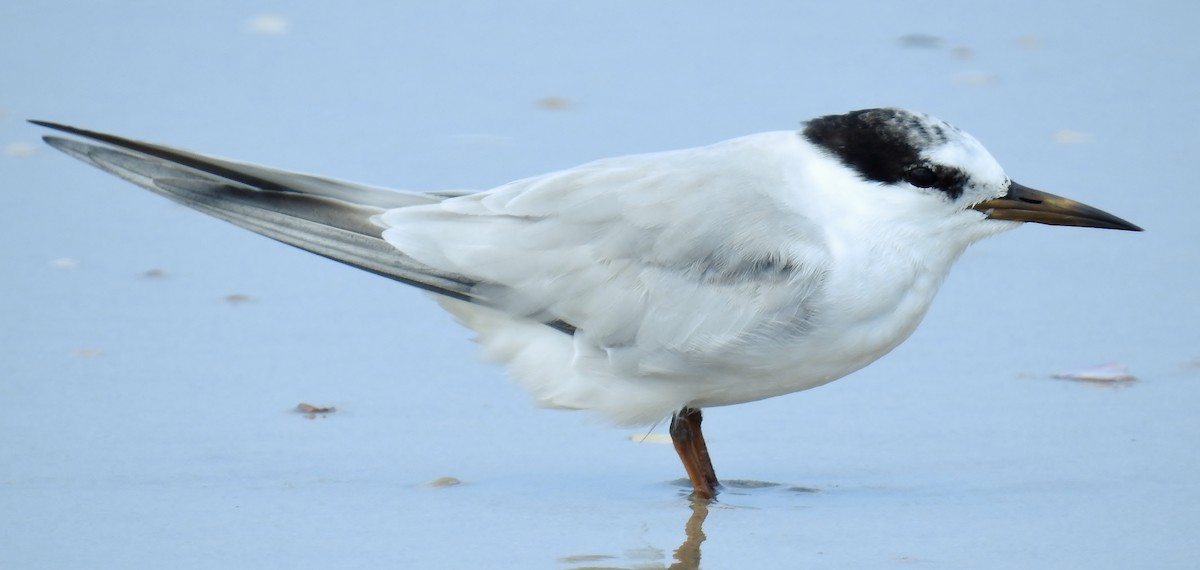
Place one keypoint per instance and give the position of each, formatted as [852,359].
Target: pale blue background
[144,422]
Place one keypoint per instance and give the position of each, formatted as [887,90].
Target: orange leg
[689,443]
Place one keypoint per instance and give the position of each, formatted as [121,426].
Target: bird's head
[944,170]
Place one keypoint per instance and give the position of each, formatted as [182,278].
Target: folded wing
[668,264]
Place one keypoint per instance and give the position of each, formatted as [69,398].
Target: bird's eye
[922,176]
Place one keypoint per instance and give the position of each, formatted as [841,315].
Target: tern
[652,286]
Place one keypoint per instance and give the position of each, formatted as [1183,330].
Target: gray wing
[328,217]
[679,262]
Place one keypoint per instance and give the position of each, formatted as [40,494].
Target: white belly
[562,371]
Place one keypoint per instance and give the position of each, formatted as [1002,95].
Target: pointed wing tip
[48,124]
[69,146]
[60,127]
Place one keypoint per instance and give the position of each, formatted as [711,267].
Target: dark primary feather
[327,217]
[256,176]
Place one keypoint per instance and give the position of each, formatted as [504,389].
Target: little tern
[652,286]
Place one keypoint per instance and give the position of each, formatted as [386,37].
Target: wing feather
[627,251]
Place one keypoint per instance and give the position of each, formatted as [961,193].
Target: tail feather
[327,217]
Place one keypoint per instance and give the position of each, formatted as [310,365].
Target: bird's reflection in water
[687,555]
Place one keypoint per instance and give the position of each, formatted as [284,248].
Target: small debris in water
[86,352]
[154,273]
[268,24]
[238,298]
[20,150]
[444,482]
[920,41]
[1029,42]
[311,412]
[1066,136]
[962,52]
[555,103]
[1103,373]
[64,263]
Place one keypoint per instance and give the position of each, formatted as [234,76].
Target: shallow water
[152,359]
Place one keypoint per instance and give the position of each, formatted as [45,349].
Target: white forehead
[961,150]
